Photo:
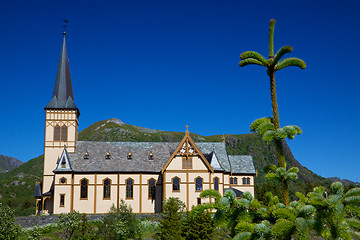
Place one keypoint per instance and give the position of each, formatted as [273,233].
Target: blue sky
[166,64]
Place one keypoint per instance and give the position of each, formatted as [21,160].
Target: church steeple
[63,97]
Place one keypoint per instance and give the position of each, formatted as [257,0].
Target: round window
[63,180]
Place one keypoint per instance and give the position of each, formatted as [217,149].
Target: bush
[119,223]
[172,219]
[199,225]
[75,225]
[8,229]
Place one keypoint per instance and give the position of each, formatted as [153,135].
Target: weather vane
[65,26]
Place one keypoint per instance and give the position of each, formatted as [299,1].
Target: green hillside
[17,185]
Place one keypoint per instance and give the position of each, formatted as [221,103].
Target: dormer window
[129,156]
[86,155]
[63,164]
[151,156]
[107,156]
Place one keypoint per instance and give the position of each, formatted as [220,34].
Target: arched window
[248,180]
[129,188]
[129,157]
[84,189]
[176,184]
[244,180]
[151,156]
[151,184]
[57,133]
[108,155]
[199,184]
[216,183]
[235,181]
[107,188]
[231,180]
[64,131]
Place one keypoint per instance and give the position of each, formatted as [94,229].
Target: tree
[199,224]
[270,128]
[331,220]
[171,223]
[8,229]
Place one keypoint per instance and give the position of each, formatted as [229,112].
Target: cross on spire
[65,26]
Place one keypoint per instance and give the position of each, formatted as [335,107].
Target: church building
[91,177]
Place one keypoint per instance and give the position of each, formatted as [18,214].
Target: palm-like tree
[272,65]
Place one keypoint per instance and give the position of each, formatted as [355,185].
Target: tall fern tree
[273,64]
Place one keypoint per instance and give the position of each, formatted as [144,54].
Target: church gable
[187,156]
[63,163]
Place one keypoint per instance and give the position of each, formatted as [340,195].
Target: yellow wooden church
[91,177]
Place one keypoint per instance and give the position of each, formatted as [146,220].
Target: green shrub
[119,224]
[171,223]
[75,226]
[8,229]
[199,225]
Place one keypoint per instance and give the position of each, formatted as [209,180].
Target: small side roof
[38,190]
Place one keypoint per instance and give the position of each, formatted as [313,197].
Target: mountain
[18,184]
[8,163]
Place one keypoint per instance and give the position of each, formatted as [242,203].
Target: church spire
[63,94]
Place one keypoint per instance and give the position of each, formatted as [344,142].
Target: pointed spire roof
[63,96]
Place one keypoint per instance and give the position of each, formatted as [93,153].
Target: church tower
[61,124]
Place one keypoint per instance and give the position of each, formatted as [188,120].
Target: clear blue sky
[166,64]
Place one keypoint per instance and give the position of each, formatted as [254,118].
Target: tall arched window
[57,133]
[244,180]
[235,181]
[151,185]
[199,184]
[231,180]
[129,188]
[107,188]
[216,183]
[84,189]
[248,180]
[176,184]
[64,132]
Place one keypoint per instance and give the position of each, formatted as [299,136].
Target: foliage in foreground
[120,223]
[177,223]
[331,215]
[8,229]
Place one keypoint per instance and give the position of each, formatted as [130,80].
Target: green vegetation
[269,128]
[8,230]
[17,186]
[330,215]
[119,224]
[171,224]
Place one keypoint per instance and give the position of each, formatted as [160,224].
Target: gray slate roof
[63,96]
[242,164]
[140,156]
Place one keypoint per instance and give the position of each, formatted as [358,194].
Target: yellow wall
[53,149]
